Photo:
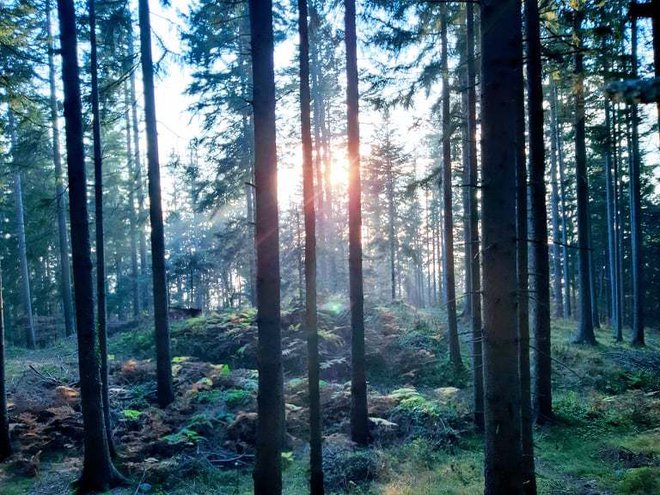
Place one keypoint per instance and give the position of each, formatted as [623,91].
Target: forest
[319,247]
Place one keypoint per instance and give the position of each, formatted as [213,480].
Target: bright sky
[177,127]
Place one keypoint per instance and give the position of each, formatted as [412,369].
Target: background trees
[233,229]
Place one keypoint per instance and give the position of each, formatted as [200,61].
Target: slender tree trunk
[63,242]
[554,205]
[270,401]
[101,310]
[139,187]
[539,260]
[465,131]
[636,208]
[98,473]
[359,417]
[472,247]
[448,224]
[5,441]
[522,264]
[320,148]
[612,228]
[135,270]
[595,318]
[26,292]
[554,111]
[618,208]
[586,329]
[501,59]
[391,216]
[165,388]
[315,439]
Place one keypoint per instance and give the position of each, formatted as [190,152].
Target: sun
[289,176]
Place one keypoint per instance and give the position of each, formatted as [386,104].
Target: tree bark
[130,162]
[501,75]
[557,138]
[539,259]
[315,439]
[359,417]
[63,242]
[448,224]
[636,209]
[586,329]
[473,247]
[137,178]
[165,388]
[101,309]
[270,401]
[98,473]
[557,272]
[5,440]
[612,235]
[26,292]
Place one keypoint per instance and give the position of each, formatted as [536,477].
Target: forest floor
[605,440]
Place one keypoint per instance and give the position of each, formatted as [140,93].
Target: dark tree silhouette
[311,318]
[101,312]
[63,242]
[98,473]
[586,328]
[359,417]
[270,401]
[501,66]
[165,388]
[448,224]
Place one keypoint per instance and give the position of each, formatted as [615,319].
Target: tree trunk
[26,292]
[522,267]
[139,187]
[359,416]
[98,473]
[165,388]
[130,157]
[315,439]
[101,310]
[391,217]
[63,242]
[557,273]
[5,441]
[636,208]
[465,141]
[539,261]
[270,401]
[472,247]
[586,329]
[448,224]
[554,112]
[501,69]
[613,245]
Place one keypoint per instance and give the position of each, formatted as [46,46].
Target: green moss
[642,481]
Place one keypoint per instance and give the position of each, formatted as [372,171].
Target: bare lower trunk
[60,200]
[315,438]
[501,52]
[586,328]
[472,247]
[359,416]
[165,388]
[635,206]
[101,310]
[270,401]
[98,473]
[5,441]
